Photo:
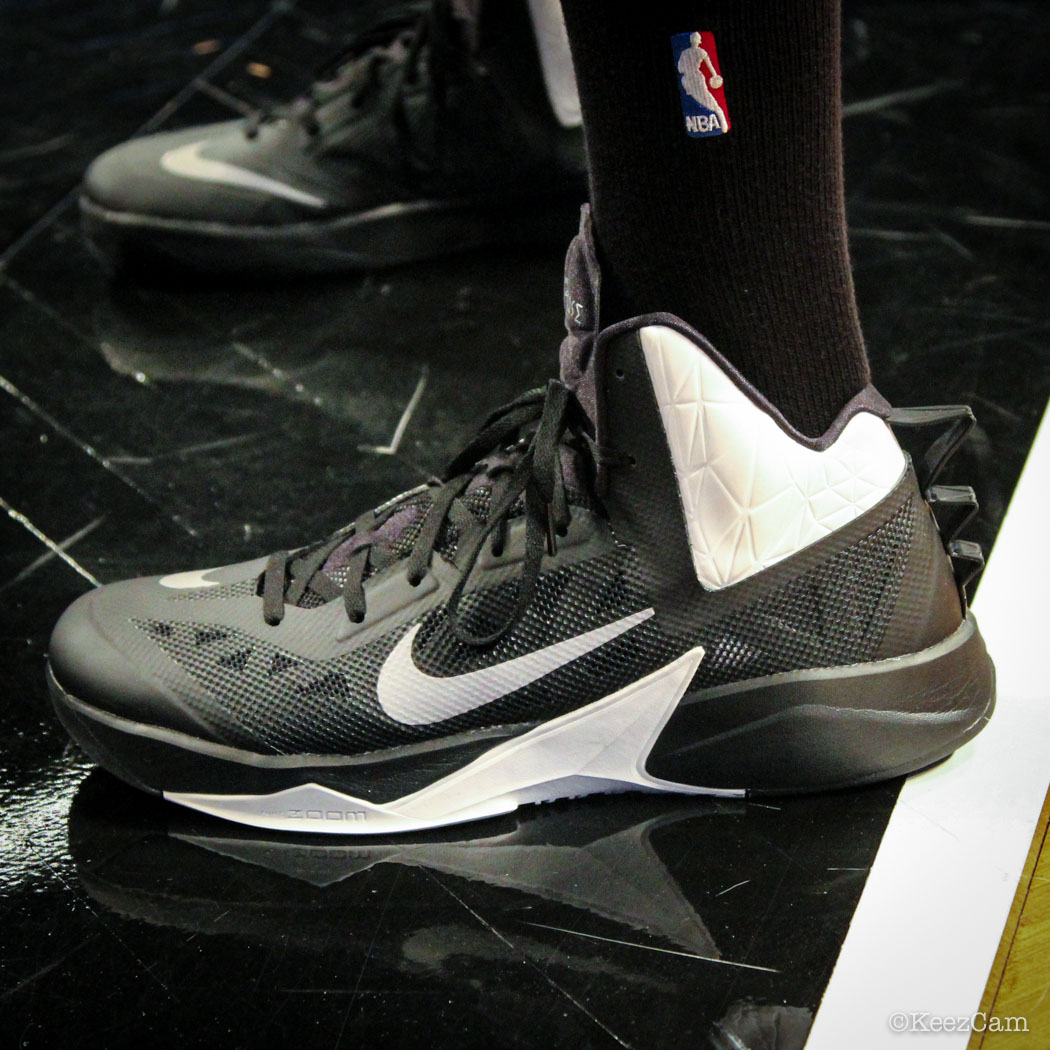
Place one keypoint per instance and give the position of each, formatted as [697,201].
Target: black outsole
[387,236]
[792,734]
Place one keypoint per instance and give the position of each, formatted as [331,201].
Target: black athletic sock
[741,234]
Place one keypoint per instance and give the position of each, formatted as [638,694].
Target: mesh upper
[240,589]
[834,612]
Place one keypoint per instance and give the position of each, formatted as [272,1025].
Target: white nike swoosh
[188,162]
[414,698]
[188,581]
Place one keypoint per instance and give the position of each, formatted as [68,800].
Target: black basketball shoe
[639,577]
[427,138]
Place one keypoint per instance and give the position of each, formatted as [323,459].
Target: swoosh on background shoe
[187,162]
[414,698]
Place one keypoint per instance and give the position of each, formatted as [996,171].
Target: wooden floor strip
[1019,984]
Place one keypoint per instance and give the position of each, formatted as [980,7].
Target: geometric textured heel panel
[751,494]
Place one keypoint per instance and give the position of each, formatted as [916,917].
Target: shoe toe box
[108,651]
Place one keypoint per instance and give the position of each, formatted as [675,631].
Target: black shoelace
[525,439]
[393,54]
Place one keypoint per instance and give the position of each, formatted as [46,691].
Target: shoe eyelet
[620,374]
[414,581]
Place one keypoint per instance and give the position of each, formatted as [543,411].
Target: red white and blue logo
[700,84]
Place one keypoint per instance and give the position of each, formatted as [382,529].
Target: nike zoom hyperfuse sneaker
[639,577]
[427,138]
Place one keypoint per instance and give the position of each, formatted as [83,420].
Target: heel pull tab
[967,561]
[953,506]
[956,422]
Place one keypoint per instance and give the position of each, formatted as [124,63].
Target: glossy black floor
[153,426]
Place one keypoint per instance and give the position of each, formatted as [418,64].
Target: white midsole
[599,748]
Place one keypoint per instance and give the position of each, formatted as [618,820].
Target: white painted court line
[929,921]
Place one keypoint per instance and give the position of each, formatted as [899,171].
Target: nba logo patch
[700,84]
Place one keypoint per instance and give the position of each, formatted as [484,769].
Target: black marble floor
[155,425]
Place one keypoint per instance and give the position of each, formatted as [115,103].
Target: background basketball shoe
[639,577]
[435,133]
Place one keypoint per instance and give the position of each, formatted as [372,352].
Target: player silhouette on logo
[691,66]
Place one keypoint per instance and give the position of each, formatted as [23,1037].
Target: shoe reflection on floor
[628,895]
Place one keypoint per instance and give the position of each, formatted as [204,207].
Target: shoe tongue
[396,534]
[405,513]
[582,292]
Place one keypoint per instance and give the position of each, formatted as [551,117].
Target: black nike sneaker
[639,577]
[426,138]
